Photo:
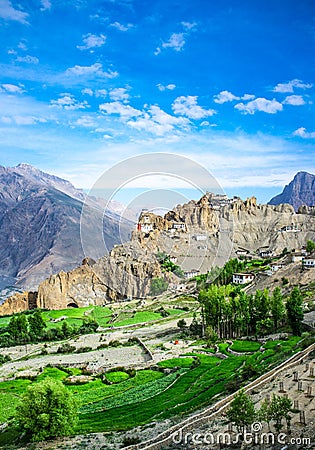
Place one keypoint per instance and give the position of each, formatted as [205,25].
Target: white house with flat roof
[243,278]
[308,262]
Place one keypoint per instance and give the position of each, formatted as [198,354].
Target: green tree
[18,328]
[89,325]
[310,246]
[279,409]
[47,410]
[66,329]
[36,324]
[277,307]
[241,412]
[264,413]
[295,311]
[211,336]
[264,326]
[182,324]
[158,286]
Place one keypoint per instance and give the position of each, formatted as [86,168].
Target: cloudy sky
[85,84]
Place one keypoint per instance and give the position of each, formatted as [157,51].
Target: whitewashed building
[309,262]
[243,278]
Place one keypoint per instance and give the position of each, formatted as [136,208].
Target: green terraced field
[245,346]
[177,387]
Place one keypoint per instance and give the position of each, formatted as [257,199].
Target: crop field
[121,400]
[245,346]
[102,314]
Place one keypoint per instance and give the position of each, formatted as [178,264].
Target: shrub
[84,349]
[130,440]
[66,348]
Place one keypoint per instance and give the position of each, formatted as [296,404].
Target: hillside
[40,225]
[197,236]
[300,191]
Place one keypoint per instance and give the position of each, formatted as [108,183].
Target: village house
[266,253]
[297,257]
[178,226]
[191,273]
[200,237]
[308,262]
[289,228]
[243,278]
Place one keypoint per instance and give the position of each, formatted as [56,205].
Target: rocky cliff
[300,191]
[195,235]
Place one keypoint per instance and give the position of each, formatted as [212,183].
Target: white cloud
[46,4]
[68,102]
[158,122]
[301,132]
[119,94]
[86,71]
[189,25]
[122,27]
[28,120]
[97,93]
[225,96]
[100,93]
[87,91]
[28,59]
[91,41]
[22,120]
[291,85]
[7,12]
[86,122]
[248,97]
[22,46]
[260,104]
[169,87]
[187,106]
[124,111]
[11,89]
[295,100]
[175,42]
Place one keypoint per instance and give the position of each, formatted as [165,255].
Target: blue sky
[87,83]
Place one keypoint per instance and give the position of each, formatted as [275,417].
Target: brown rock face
[195,235]
[195,215]
[18,303]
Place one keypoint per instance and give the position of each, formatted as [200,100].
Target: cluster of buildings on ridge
[307,260]
[216,202]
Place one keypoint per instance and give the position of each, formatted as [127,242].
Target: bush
[66,348]
[130,440]
[4,359]
[114,343]
[84,349]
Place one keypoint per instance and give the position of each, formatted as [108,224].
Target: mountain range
[40,225]
[40,218]
[300,191]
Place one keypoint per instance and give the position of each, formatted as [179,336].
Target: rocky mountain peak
[300,191]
